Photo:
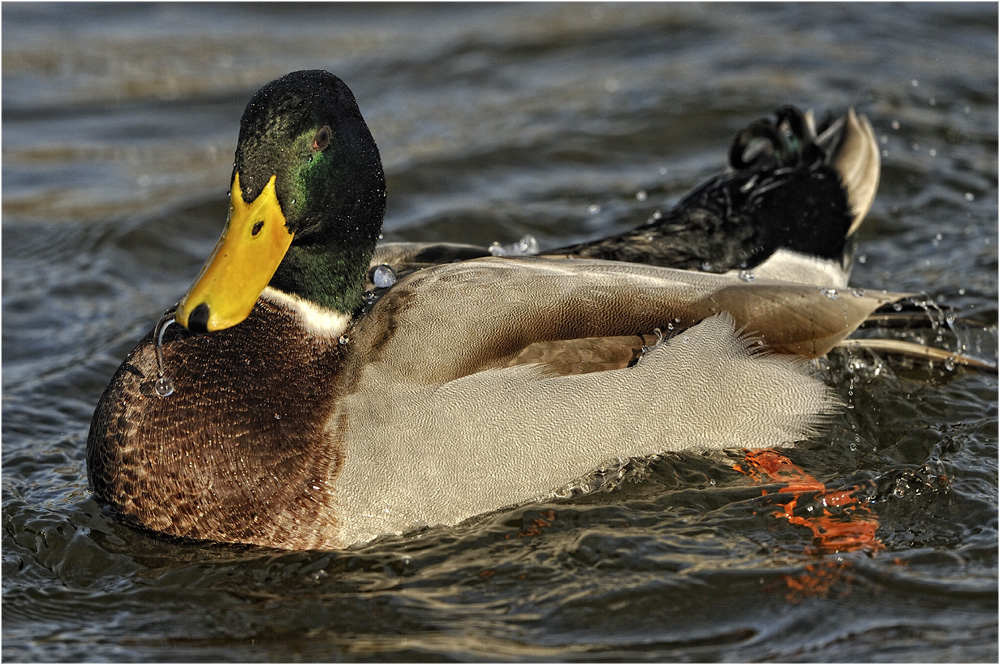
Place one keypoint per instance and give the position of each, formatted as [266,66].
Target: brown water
[567,122]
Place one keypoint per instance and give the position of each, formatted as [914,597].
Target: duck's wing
[483,313]
[473,386]
[963,339]
[920,352]
[578,316]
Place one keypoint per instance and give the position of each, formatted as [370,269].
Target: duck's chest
[238,451]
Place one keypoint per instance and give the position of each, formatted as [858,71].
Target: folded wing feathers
[503,436]
[451,431]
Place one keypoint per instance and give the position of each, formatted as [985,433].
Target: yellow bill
[245,259]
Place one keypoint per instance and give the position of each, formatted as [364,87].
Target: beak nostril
[198,319]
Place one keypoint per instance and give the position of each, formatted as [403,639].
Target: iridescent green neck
[331,278]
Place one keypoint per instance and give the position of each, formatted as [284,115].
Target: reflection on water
[496,122]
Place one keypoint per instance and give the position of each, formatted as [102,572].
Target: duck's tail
[847,144]
[850,141]
[810,225]
[790,189]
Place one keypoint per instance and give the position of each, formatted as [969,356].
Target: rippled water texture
[566,122]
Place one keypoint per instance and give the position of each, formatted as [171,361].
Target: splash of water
[526,246]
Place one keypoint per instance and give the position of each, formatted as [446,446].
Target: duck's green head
[306,206]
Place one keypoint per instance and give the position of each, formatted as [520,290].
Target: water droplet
[949,363]
[277,416]
[897,306]
[711,481]
[164,387]
[383,276]
[706,266]
[914,83]
[895,124]
[747,275]
[969,196]
[526,246]
[641,195]
[862,259]
[857,292]
[933,152]
[830,293]
[344,339]
[593,208]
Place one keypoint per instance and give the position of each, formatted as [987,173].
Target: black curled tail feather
[781,192]
[787,141]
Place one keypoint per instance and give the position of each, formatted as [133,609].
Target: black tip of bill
[198,319]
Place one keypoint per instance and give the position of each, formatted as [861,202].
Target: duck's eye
[322,138]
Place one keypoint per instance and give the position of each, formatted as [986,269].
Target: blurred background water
[566,121]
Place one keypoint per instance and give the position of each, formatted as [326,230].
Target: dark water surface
[567,122]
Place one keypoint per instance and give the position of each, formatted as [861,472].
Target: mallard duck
[290,407]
